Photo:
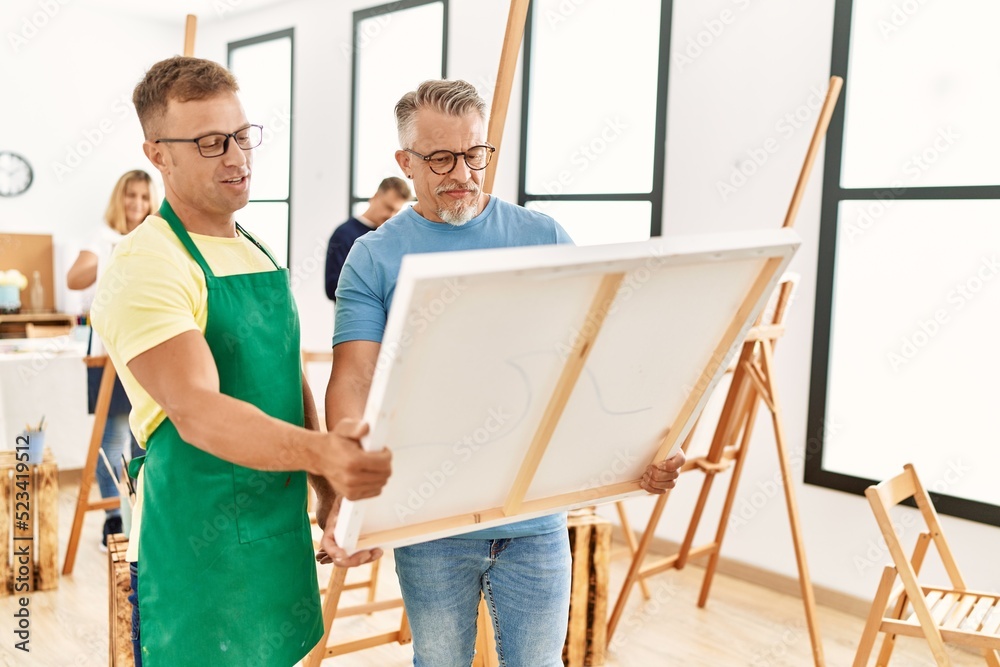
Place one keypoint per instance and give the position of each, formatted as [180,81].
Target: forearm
[319,483]
[346,393]
[180,375]
[346,396]
[342,401]
[241,433]
[311,419]
[83,273]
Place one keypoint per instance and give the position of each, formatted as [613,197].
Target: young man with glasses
[523,569]
[200,322]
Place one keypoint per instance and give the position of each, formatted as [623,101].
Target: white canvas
[473,350]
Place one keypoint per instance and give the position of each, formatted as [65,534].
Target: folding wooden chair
[952,615]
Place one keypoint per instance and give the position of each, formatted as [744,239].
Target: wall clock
[15,174]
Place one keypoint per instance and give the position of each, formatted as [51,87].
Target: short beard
[463,213]
[459,217]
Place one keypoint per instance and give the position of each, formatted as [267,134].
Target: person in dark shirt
[387,201]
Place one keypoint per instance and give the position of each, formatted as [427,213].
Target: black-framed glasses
[217,143]
[443,162]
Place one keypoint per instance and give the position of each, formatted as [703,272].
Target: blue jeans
[117,435]
[133,572]
[526,583]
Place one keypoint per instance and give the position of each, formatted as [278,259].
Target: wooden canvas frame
[751,262]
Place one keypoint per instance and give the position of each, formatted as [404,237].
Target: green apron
[226,567]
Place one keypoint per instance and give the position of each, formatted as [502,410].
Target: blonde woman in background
[132,199]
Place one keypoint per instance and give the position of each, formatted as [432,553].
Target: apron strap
[259,245]
[167,213]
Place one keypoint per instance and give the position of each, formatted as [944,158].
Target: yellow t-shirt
[152,291]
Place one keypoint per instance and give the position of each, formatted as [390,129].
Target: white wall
[732,98]
[68,74]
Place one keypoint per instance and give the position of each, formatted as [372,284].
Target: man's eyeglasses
[215,145]
[443,162]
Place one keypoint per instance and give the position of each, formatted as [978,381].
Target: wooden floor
[743,624]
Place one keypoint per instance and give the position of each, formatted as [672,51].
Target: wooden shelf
[15,326]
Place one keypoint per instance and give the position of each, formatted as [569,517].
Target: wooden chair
[941,615]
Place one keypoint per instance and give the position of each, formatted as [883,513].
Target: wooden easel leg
[808,597]
[486,654]
[87,476]
[373,581]
[631,541]
[720,534]
[405,634]
[637,558]
[715,451]
[190,28]
[635,572]
[699,508]
[517,17]
[330,604]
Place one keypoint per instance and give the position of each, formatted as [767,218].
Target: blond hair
[115,213]
[453,98]
[179,78]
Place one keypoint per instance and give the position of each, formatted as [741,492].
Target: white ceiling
[176,10]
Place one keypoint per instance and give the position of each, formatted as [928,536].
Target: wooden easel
[83,502]
[332,611]
[498,113]
[752,383]
[336,586]
[728,450]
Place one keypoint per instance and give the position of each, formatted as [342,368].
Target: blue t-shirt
[368,282]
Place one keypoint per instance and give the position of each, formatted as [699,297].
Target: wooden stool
[119,608]
[590,543]
[40,485]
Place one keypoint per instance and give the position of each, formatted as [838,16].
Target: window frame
[833,195]
[359,16]
[259,39]
[656,195]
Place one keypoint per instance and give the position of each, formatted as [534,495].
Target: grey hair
[453,98]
